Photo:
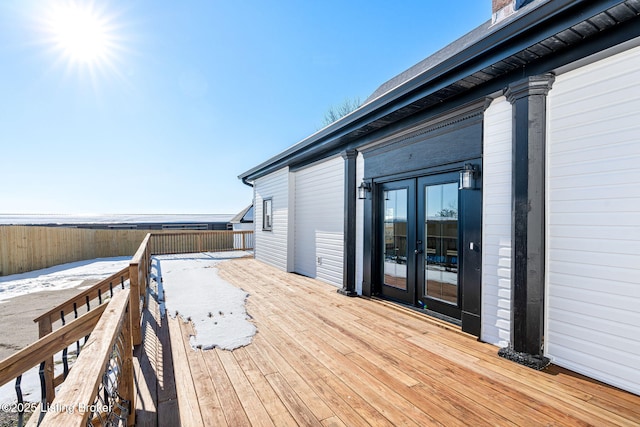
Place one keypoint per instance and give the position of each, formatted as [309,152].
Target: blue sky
[185,95]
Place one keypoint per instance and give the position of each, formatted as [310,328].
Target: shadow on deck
[323,359]
[156,400]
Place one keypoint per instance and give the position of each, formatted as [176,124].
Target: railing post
[134,302]
[128,391]
[143,267]
[45,328]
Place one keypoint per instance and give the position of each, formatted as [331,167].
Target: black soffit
[548,30]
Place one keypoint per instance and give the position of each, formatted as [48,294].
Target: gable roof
[245,215]
[483,59]
[431,61]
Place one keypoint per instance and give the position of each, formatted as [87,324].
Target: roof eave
[503,41]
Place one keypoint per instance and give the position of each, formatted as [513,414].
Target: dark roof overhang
[555,28]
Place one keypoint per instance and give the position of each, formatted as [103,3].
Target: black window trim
[266,227]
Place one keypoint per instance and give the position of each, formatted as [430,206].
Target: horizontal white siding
[593,229]
[271,246]
[319,221]
[496,224]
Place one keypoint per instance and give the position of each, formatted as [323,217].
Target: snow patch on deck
[189,285]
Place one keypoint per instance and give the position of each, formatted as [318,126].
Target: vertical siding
[593,221]
[359,226]
[271,246]
[496,224]
[319,221]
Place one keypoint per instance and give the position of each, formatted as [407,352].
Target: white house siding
[271,246]
[496,224]
[319,221]
[593,221]
[359,226]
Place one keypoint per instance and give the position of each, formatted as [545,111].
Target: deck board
[166,379]
[323,359]
[144,374]
[272,404]
[205,391]
[188,401]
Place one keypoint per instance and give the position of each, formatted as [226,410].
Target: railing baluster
[111,289]
[20,401]
[65,352]
[88,309]
[75,312]
[43,388]
[99,296]
[122,281]
[105,386]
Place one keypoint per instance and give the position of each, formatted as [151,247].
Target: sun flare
[81,34]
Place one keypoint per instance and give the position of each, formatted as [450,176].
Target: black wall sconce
[364,188]
[469,177]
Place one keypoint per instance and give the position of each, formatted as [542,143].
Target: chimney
[502,9]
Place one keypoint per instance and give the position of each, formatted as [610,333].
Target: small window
[267,215]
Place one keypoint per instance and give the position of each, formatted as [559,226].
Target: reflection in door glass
[441,254]
[395,238]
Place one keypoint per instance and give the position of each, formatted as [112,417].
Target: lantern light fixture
[468,177]
[363,189]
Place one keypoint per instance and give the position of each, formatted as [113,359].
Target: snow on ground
[189,284]
[62,276]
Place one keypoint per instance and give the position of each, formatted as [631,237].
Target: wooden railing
[139,277]
[207,241]
[110,331]
[95,294]
[100,388]
[106,361]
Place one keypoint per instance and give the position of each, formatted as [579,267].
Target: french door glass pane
[441,237]
[395,238]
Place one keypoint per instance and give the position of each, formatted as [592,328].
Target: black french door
[420,234]
[398,240]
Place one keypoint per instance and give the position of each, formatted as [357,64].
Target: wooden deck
[322,359]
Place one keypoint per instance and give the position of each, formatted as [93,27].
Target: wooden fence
[28,248]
